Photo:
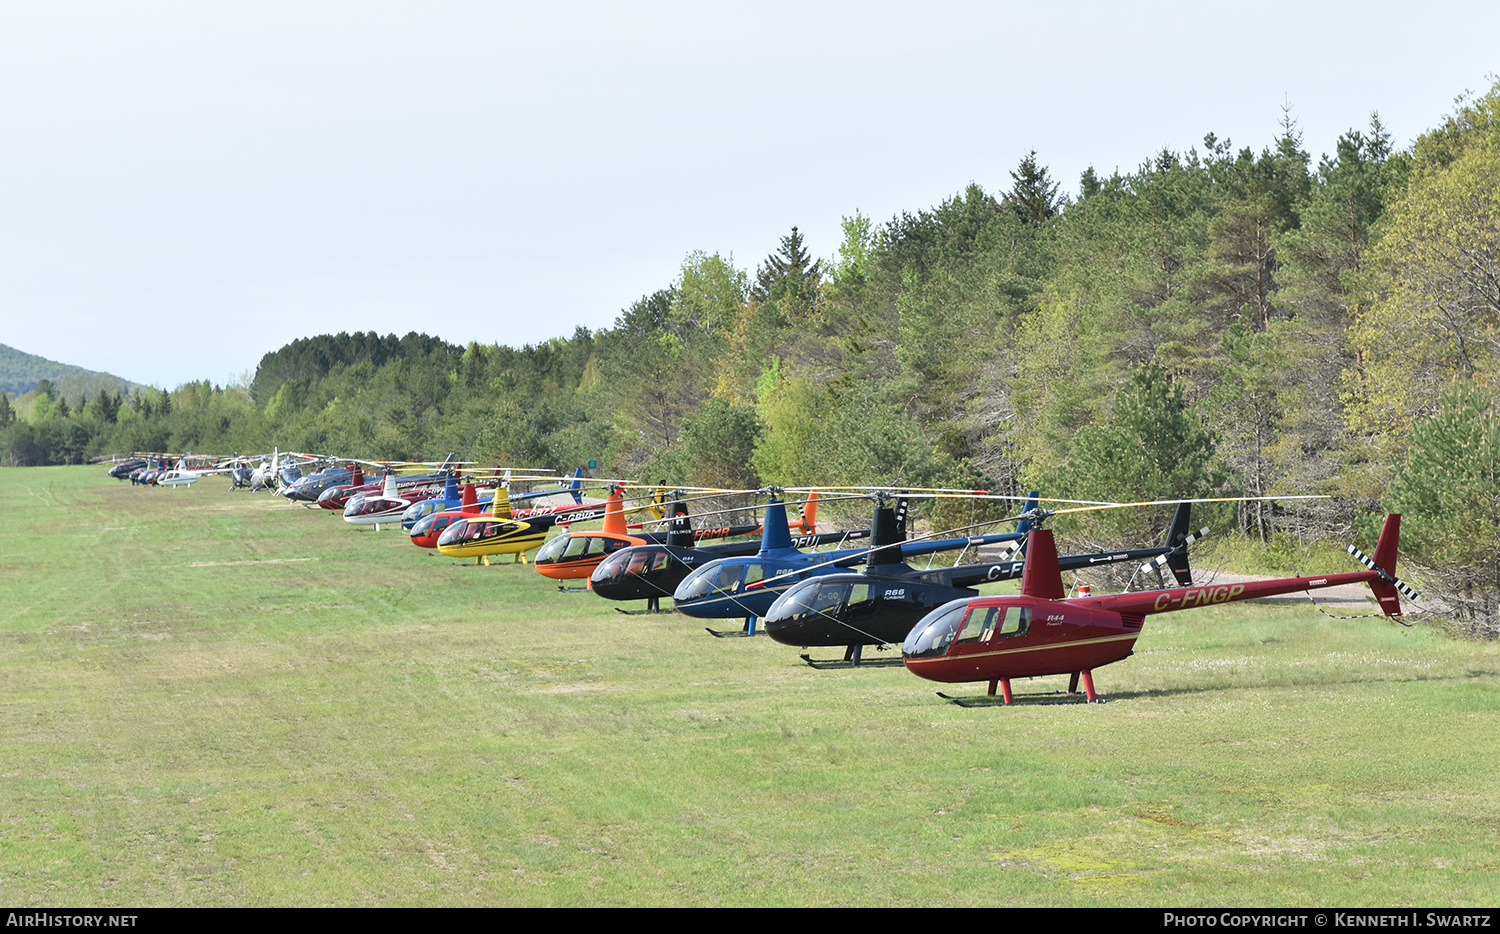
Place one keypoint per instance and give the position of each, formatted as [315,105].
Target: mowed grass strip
[213,698]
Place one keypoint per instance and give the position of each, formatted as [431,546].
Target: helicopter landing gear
[749,630]
[1088,686]
[1004,690]
[853,658]
[653,606]
[1007,697]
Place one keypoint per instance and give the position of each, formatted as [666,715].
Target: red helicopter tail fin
[810,513]
[470,497]
[1385,546]
[1388,587]
[1041,577]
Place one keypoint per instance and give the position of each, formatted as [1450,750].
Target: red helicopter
[428,529]
[1040,632]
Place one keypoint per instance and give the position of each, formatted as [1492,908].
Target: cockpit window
[731,575]
[812,599]
[981,625]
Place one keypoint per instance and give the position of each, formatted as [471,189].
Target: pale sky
[187,186]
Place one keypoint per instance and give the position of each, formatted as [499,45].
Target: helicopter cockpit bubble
[461,531]
[719,579]
[813,599]
[608,569]
[638,561]
[566,548]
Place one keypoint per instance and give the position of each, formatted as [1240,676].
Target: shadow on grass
[1062,698]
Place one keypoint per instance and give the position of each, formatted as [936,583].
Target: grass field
[220,699]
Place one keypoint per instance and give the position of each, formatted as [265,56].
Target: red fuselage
[1050,637]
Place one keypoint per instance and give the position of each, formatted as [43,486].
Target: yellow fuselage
[497,537]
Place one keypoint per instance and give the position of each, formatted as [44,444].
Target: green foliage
[1150,447]
[851,267]
[22,372]
[1436,318]
[717,446]
[710,293]
[790,274]
[308,360]
[792,408]
[1448,492]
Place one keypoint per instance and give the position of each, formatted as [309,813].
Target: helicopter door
[1017,622]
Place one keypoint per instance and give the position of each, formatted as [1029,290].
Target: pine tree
[791,265]
[1449,492]
[1034,197]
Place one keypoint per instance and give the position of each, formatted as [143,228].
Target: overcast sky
[187,186]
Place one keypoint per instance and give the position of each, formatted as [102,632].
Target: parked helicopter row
[850,589]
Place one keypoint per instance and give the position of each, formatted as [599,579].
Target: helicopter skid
[1041,697]
[642,612]
[736,634]
[832,664]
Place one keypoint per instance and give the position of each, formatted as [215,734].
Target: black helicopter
[879,606]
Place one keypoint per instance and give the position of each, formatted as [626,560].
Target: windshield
[609,567]
[718,579]
[553,550]
[466,531]
[809,599]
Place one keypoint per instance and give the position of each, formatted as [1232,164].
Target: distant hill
[20,372]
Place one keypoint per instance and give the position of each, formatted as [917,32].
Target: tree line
[1219,321]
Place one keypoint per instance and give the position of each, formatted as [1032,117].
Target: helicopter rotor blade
[1160,560]
[1399,584]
